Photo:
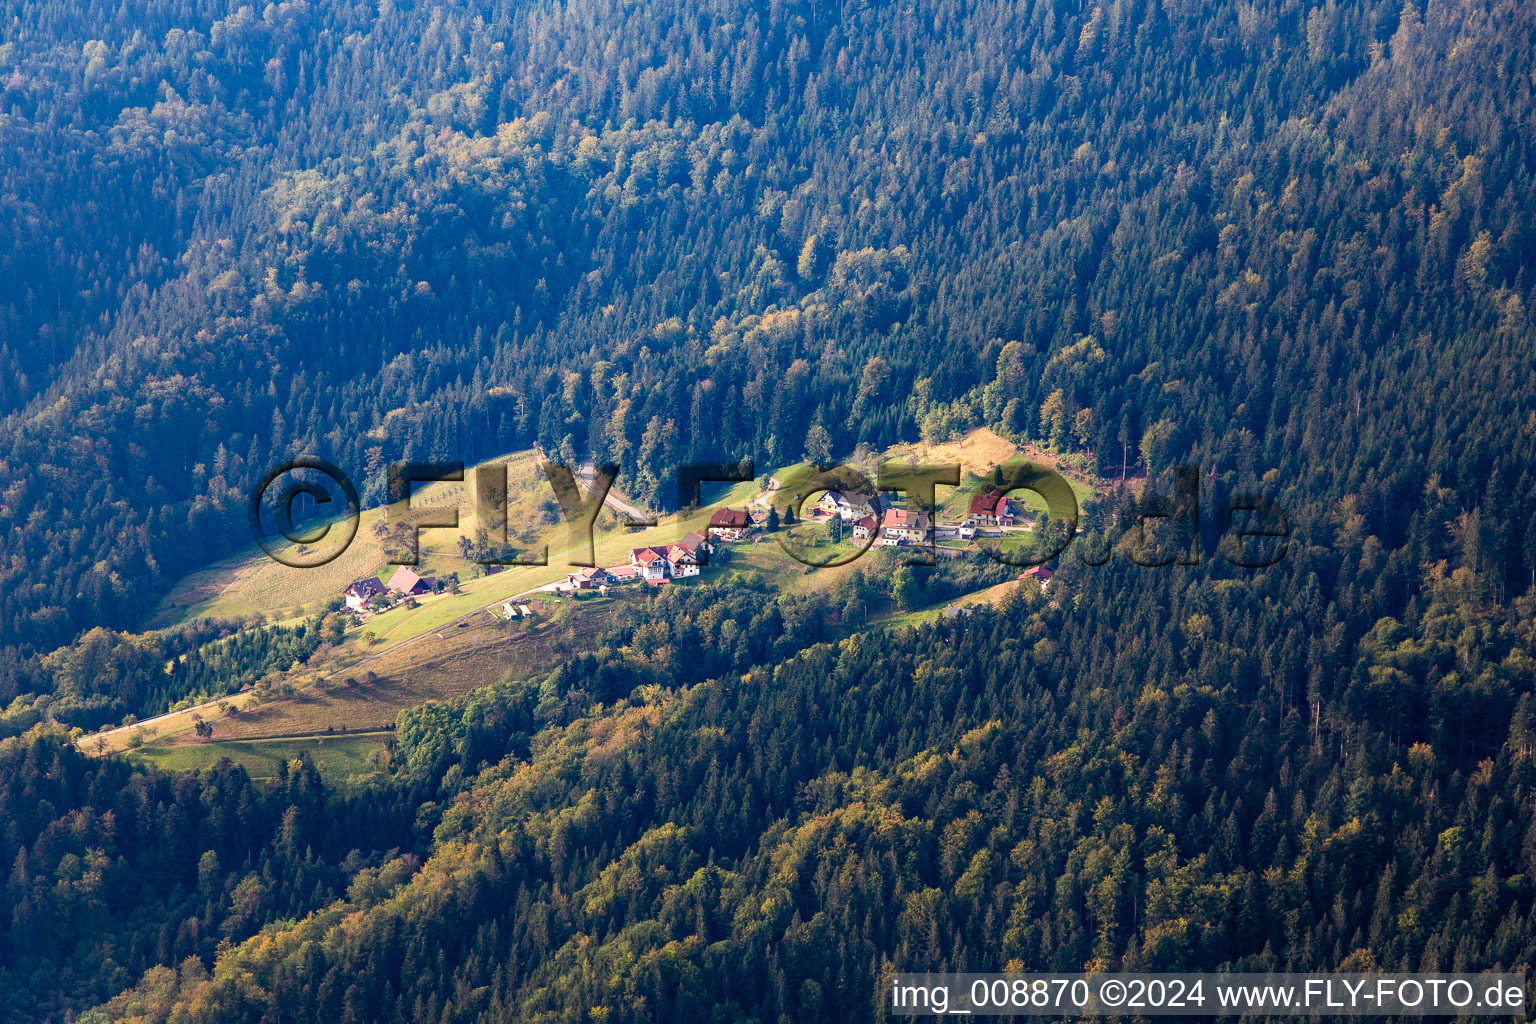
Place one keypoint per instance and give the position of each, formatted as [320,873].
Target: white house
[674,561]
[684,562]
[832,503]
[651,563]
[851,506]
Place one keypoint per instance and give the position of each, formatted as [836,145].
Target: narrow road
[614,499]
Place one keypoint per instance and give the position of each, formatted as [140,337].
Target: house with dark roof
[1038,573]
[730,523]
[851,506]
[695,542]
[361,592]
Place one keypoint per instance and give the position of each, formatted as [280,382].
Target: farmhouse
[863,529]
[651,563]
[406,583]
[673,561]
[683,561]
[901,526]
[361,592]
[852,506]
[831,503]
[587,579]
[990,509]
[730,523]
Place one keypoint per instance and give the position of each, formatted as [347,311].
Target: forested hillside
[1289,241]
[1061,786]
[1269,236]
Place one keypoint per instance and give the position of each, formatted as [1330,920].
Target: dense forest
[1061,784]
[115,870]
[1266,237]
[1290,242]
[106,677]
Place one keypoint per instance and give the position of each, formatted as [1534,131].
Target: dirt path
[763,499]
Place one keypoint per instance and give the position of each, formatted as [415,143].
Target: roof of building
[904,519]
[366,588]
[589,572]
[990,504]
[1038,572]
[692,540]
[404,580]
[729,518]
[868,522]
[874,502]
[645,556]
[623,572]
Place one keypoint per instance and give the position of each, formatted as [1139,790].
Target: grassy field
[981,450]
[994,595]
[250,583]
[977,454]
[337,758]
[370,694]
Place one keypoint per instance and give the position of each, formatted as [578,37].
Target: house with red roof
[990,509]
[903,526]
[651,563]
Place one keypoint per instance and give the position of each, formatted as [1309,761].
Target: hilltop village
[869,519]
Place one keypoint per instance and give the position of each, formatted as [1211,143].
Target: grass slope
[338,758]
